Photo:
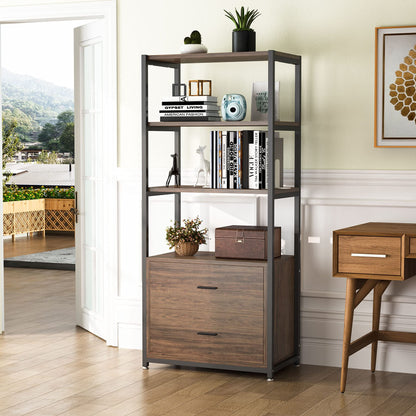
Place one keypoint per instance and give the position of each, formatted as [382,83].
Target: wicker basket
[186,249]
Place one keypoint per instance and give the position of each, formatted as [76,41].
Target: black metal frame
[272,195]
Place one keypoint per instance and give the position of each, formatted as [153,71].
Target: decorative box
[245,242]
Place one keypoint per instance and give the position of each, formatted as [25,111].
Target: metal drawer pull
[379,256]
[207,287]
[209,334]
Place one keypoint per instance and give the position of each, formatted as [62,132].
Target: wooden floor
[24,244]
[50,367]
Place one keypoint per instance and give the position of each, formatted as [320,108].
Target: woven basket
[186,249]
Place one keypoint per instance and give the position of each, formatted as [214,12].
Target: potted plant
[186,239]
[244,37]
[192,44]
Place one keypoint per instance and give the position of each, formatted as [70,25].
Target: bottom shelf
[209,312]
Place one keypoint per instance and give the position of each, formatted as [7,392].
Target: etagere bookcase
[277,312]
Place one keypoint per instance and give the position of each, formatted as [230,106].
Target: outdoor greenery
[189,233]
[32,103]
[14,193]
[59,136]
[11,145]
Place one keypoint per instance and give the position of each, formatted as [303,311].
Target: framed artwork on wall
[395,87]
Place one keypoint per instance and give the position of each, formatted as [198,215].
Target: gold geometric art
[403,91]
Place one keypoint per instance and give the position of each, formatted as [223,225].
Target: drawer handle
[209,334]
[207,287]
[378,256]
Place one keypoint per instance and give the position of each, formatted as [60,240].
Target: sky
[41,50]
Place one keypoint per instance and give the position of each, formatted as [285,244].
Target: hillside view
[34,103]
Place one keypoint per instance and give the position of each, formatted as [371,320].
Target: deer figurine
[174,171]
[203,167]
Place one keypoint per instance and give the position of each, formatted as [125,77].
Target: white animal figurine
[203,167]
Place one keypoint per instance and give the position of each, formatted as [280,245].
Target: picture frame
[259,101]
[395,87]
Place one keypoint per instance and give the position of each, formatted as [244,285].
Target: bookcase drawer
[226,289]
[206,337]
[369,255]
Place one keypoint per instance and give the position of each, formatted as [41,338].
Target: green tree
[48,133]
[11,145]
[47,157]
[66,140]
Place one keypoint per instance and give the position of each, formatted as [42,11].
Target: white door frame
[107,217]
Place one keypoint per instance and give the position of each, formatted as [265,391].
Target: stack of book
[239,159]
[190,108]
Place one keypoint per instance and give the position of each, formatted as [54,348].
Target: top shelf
[190,58]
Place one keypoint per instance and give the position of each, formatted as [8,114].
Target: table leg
[348,318]
[378,293]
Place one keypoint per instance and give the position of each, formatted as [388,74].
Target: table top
[380,229]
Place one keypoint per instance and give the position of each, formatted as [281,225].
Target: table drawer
[412,245]
[369,255]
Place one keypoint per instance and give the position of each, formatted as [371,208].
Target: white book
[189,98]
[188,107]
[254,156]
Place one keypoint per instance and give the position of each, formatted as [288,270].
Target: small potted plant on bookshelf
[192,44]
[244,37]
[186,239]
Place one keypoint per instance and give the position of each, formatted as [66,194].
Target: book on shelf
[239,159]
[193,118]
[192,113]
[189,107]
[190,99]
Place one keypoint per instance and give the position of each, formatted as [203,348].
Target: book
[239,173]
[213,159]
[232,164]
[193,113]
[191,99]
[219,159]
[262,160]
[224,168]
[246,138]
[198,118]
[254,153]
[189,106]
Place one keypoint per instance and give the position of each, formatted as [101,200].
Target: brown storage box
[245,242]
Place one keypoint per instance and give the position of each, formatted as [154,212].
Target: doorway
[94,316]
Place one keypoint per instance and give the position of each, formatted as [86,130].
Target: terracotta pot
[186,249]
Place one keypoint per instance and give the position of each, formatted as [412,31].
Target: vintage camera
[233,107]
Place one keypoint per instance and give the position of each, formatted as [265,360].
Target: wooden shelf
[278,193]
[279,125]
[223,57]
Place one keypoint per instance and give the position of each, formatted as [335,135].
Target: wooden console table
[370,256]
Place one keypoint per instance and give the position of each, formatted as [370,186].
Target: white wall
[336,40]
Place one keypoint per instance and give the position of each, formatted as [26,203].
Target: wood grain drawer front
[369,255]
[412,245]
[196,287]
[211,337]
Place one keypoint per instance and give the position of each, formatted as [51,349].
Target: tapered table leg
[378,293]
[348,317]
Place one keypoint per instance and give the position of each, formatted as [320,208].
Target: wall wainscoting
[331,199]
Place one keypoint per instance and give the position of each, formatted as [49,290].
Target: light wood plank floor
[50,367]
[24,244]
